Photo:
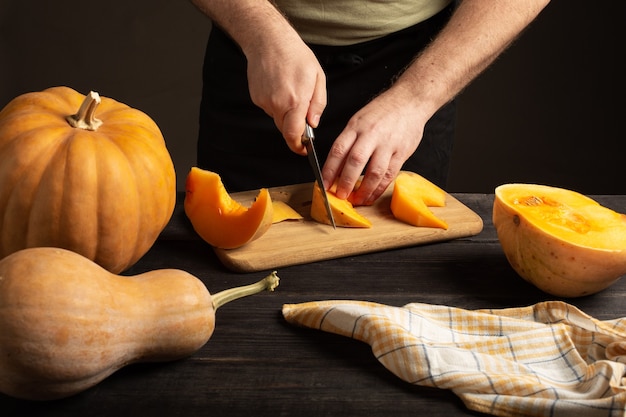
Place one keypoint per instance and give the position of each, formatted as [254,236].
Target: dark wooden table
[256,364]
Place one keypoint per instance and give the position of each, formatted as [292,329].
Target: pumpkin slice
[559,240]
[432,195]
[284,212]
[344,212]
[412,194]
[219,219]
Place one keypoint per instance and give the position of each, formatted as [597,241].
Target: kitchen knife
[307,140]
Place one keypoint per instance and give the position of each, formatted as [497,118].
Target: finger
[354,165]
[375,174]
[292,128]
[335,160]
[368,193]
[318,101]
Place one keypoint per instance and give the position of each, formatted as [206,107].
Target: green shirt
[346,22]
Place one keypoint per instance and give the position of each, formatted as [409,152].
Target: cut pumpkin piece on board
[344,213]
[284,212]
[412,194]
[219,219]
[432,195]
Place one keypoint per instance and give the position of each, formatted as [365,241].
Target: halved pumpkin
[412,194]
[219,219]
[344,213]
[559,240]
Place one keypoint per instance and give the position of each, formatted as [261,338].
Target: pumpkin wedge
[284,212]
[219,219]
[412,194]
[561,241]
[344,213]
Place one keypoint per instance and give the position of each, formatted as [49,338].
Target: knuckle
[389,175]
[377,173]
[357,158]
[338,150]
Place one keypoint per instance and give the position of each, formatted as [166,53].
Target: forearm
[285,78]
[253,24]
[477,33]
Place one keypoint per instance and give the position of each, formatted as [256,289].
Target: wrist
[413,99]
[253,25]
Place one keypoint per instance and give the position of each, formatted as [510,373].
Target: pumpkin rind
[105,194]
[561,241]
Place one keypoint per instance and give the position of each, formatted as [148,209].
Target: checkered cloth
[549,359]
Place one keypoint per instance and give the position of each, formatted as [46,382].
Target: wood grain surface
[295,242]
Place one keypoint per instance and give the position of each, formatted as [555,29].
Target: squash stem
[268,283]
[85,118]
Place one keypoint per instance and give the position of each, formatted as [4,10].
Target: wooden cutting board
[294,242]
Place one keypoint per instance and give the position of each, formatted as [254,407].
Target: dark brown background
[549,111]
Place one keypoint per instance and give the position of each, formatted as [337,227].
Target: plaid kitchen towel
[548,359]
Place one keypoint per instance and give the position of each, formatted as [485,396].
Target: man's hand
[288,83]
[379,138]
[284,77]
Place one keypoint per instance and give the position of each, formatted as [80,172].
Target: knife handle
[308,134]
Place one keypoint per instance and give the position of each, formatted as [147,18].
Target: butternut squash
[66,323]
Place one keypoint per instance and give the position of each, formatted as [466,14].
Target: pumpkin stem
[85,118]
[268,283]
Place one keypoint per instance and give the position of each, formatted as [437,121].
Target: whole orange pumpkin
[84,173]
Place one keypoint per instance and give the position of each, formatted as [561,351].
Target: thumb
[318,101]
[293,128]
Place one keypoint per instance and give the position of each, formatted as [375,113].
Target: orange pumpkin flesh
[67,323]
[412,194]
[561,241]
[343,211]
[283,212]
[220,220]
[101,183]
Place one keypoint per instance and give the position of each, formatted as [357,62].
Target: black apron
[241,143]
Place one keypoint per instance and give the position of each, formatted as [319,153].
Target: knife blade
[307,140]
